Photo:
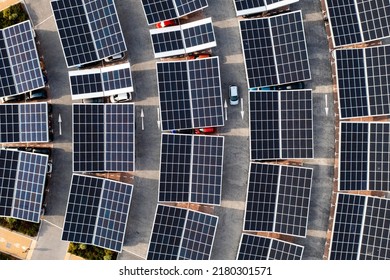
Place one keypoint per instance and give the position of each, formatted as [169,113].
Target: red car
[166,23]
[205,130]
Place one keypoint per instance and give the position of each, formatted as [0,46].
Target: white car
[115,57]
[233,95]
[121,97]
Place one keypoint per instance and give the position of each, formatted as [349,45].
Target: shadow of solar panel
[181,234]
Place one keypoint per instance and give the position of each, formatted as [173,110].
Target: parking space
[236,130]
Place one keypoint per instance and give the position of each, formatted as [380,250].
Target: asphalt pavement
[236,129]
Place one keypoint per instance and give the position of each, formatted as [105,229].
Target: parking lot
[236,129]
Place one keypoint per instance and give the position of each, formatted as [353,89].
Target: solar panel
[24,122]
[89,30]
[281,124]
[278,199]
[88,138]
[191,168]
[255,247]
[181,234]
[185,38]
[190,94]
[247,7]
[100,82]
[364,156]
[274,50]
[120,137]
[354,22]
[360,228]
[22,178]
[21,71]
[97,212]
[103,137]
[161,10]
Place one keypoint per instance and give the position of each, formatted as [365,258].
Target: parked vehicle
[166,23]
[233,95]
[205,130]
[298,85]
[37,94]
[121,97]
[44,151]
[115,57]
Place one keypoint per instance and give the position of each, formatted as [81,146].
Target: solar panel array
[185,38]
[161,10]
[100,82]
[22,182]
[191,168]
[27,122]
[255,247]
[97,212]
[281,124]
[190,94]
[274,50]
[360,228]
[247,7]
[181,234]
[278,199]
[89,30]
[20,70]
[354,22]
[364,156]
[103,137]
[363,82]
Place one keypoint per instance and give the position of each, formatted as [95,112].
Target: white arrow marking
[142,119]
[60,123]
[326,104]
[158,117]
[242,108]
[225,105]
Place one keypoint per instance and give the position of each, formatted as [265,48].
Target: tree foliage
[12,15]
[21,226]
[90,252]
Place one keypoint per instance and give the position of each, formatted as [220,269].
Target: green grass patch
[25,227]
[90,252]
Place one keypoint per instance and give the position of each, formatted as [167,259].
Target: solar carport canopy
[101,82]
[190,94]
[103,137]
[281,124]
[363,81]
[278,199]
[191,168]
[360,228]
[24,122]
[275,50]
[364,156]
[22,183]
[97,212]
[182,39]
[181,234]
[358,21]
[255,247]
[20,70]
[89,30]
[161,10]
[247,7]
